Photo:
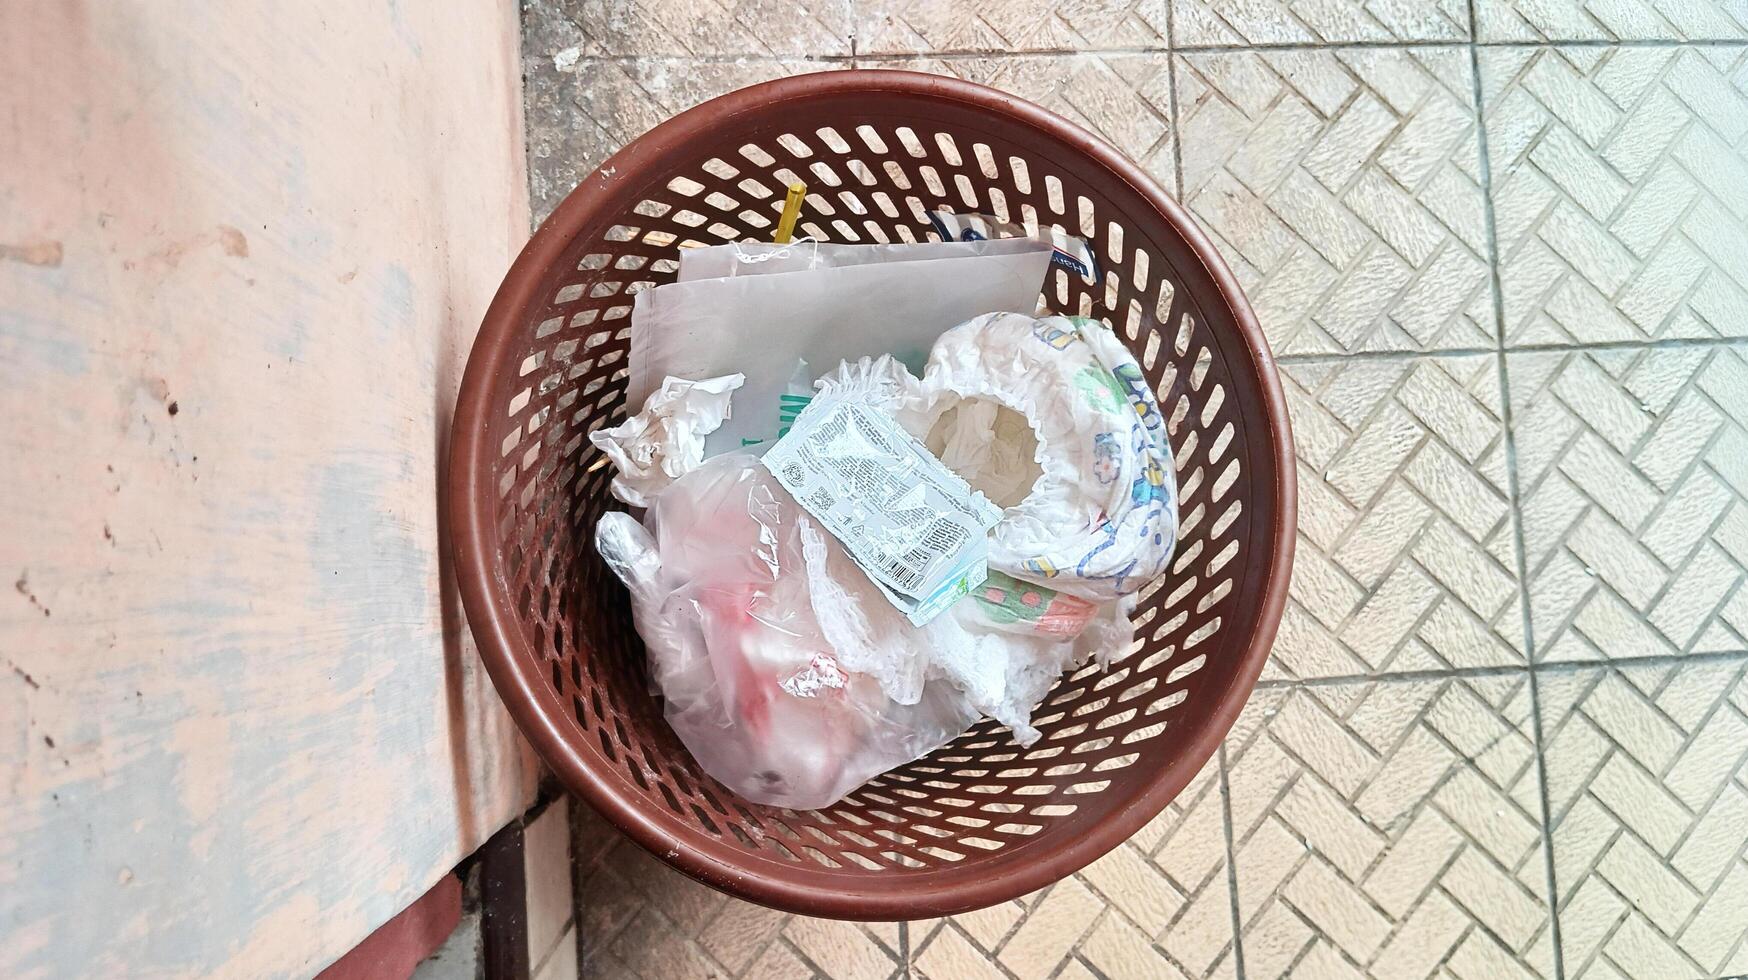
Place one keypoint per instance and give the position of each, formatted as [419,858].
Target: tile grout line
[956,54]
[904,947]
[1505,670]
[1464,43]
[1408,676]
[1231,865]
[1514,489]
[1172,106]
[1662,343]
[855,40]
[1179,192]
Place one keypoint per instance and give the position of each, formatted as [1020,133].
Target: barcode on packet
[913,525]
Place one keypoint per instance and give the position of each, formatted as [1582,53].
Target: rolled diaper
[1099,519]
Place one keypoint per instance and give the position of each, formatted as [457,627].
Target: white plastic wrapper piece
[759,321]
[728,603]
[666,440]
[1052,418]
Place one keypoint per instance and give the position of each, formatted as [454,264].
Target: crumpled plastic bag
[727,585]
[666,439]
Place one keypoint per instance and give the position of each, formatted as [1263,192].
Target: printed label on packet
[916,528]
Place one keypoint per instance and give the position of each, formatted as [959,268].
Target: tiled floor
[1505,729]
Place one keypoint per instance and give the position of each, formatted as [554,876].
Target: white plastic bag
[666,440]
[788,675]
[820,304]
[727,584]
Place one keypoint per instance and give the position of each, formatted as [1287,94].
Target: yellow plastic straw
[791,213]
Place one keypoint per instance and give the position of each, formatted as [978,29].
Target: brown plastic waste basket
[981,820]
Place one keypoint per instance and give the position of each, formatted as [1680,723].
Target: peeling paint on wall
[242,254]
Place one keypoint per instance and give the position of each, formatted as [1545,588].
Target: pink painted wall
[243,248]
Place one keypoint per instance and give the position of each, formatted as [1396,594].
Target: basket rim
[486,598]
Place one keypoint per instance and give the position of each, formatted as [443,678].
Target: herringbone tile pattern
[1634,467]
[1504,732]
[1123,98]
[1648,786]
[1244,22]
[581,112]
[1342,187]
[1613,20]
[639,918]
[1406,558]
[1390,829]
[889,27]
[1157,906]
[1619,178]
[700,28]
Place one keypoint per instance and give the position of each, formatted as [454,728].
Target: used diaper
[1052,418]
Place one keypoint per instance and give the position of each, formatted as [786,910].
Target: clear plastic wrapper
[725,598]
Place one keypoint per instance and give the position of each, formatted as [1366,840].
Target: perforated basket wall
[981,820]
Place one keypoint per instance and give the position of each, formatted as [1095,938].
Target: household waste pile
[882,499]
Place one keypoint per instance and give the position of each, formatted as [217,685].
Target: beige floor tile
[1118,949]
[1157,906]
[655,948]
[1126,99]
[841,950]
[1406,557]
[780,962]
[741,933]
[950,955]
[579,112]
[640,918]
[1051,932]
[1633,467]
[1383,827]
[987,927]
[606,904]
[1648,787]
[1618,178]
[1612,20]
[1075,970]
[1342,185]
[692,28]
[1283,22]
[885,27]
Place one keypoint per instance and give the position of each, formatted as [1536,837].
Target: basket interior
[874,165]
